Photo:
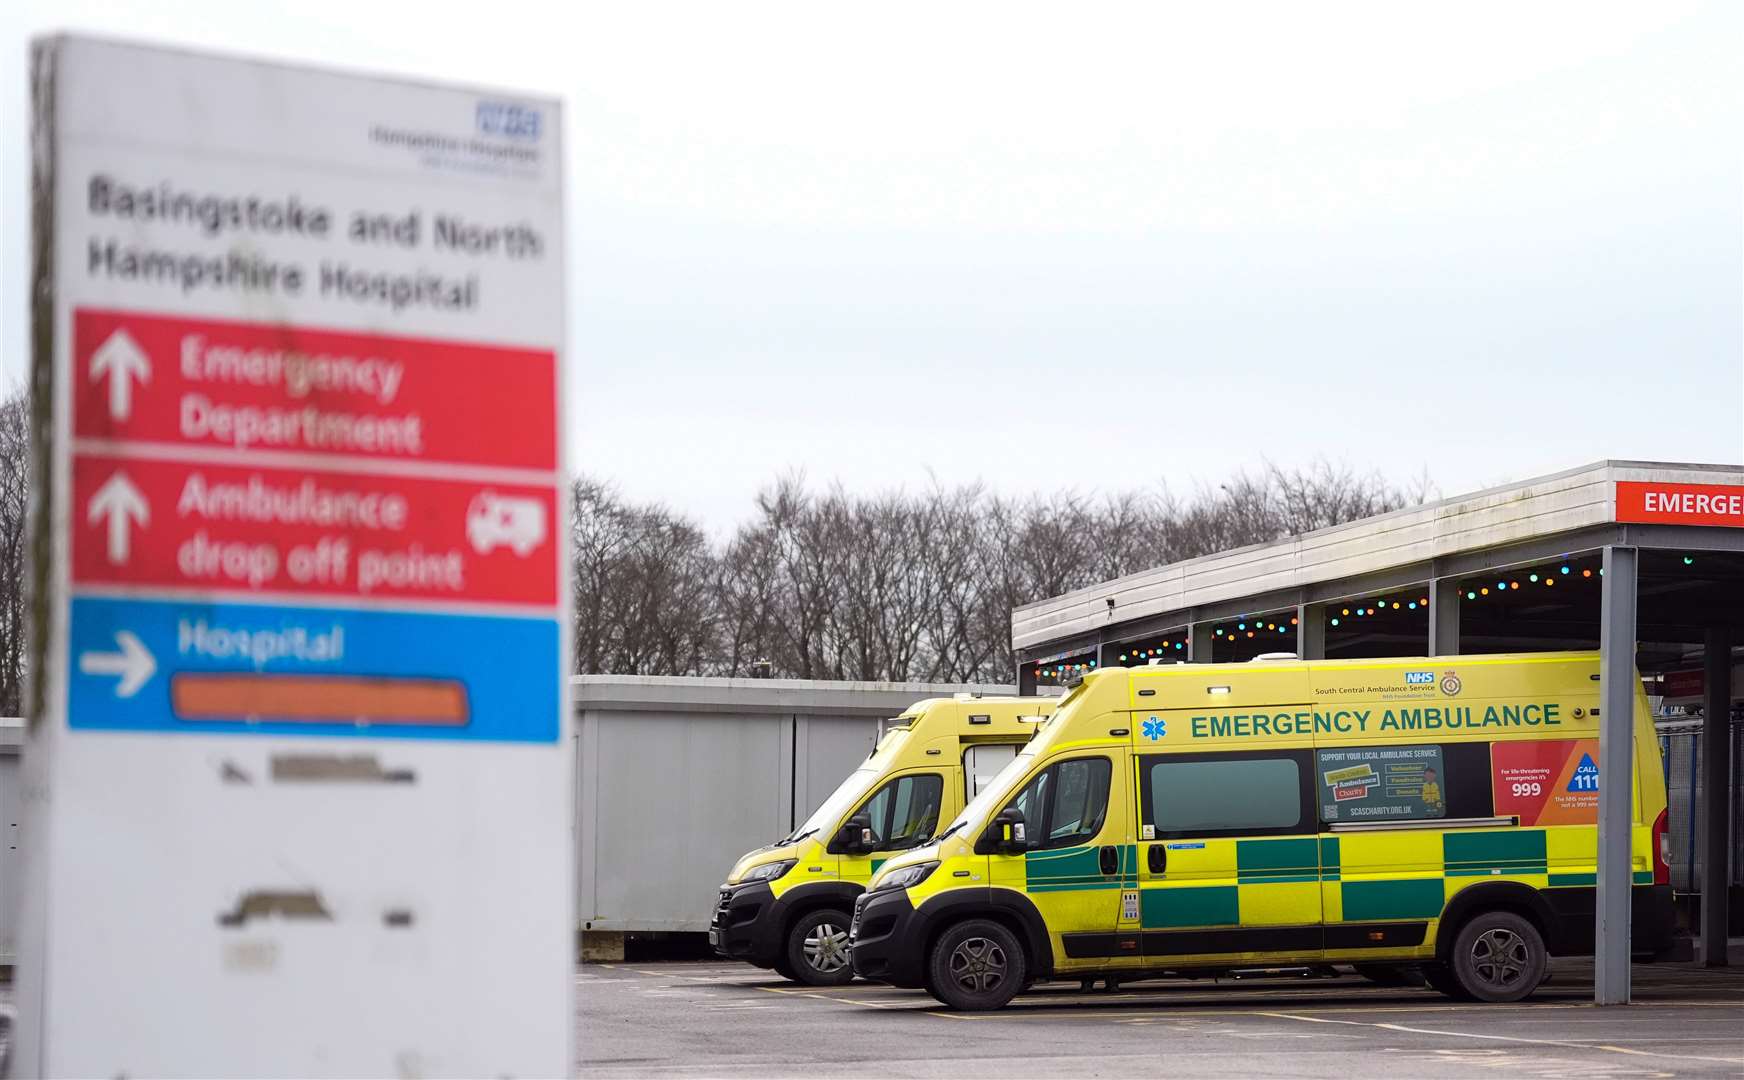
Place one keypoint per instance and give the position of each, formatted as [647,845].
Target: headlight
[907,877]
[768,871]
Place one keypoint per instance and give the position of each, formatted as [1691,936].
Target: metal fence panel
[1681,744]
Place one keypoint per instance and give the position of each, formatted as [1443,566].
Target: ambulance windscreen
[845,796]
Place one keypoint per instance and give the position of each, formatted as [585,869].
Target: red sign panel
[247,387]
[1678,684]
[1547,783]
[1680,504]
[259,530]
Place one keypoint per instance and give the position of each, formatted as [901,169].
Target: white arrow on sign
[134,663]
[121,358]
[120,502]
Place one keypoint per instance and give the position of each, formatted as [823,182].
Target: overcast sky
[1090,245]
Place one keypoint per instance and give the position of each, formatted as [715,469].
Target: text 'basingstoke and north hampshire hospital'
[225,217]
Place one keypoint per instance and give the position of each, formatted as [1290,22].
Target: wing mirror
[1006,834]
[854,837]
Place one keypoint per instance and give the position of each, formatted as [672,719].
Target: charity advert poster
[1547,783]
[1381,783]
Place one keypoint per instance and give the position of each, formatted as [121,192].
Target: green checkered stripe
[1511,853]
[1268,862]
[1069,869]
[1257,862]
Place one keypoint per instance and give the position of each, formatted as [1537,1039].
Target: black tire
[783,969]
[1440,978]
[1498,956]
[1385,974]
[817,949]
[976,965]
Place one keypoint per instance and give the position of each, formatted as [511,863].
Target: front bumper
[888,939]
[747,924]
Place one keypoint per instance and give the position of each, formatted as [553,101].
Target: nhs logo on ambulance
[1419,678]
[508,120]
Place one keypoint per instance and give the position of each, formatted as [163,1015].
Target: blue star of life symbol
[1155,729]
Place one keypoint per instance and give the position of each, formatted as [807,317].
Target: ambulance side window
[1080,802]
[905,811]
[1226,794]
[1033,798]
[1066,804]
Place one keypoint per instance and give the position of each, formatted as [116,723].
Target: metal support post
[1311,631]
[1716,786]
[1199,643]
[1108,655]
[1444,617]
[1618,685]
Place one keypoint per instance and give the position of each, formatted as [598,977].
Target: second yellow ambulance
[786,906]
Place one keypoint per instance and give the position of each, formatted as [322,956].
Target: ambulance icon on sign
[494,521]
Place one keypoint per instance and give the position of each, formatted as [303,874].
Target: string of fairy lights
[1546,577]
[1252,626]
[1382,606]
[1058,672]
[1343,615]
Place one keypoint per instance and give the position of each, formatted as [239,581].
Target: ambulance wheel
[817,949]
[1499,956]
[976,965]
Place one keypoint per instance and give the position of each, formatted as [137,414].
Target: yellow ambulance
[1436,813]
[786,906]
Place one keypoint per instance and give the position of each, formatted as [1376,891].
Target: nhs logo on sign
[508,120]
[1419,678]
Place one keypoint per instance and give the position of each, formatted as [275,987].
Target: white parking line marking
[1190,1010]
[1507,1038]
[824,997]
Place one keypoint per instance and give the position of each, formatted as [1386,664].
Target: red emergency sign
[247,387]
[1680,504]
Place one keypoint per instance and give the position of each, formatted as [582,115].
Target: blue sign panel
[221,668]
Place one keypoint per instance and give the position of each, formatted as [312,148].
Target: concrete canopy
[1467,537]
[1517,568]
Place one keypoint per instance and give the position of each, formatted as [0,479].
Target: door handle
[1110,859]
[1158,858]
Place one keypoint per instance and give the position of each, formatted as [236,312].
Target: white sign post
[297,768]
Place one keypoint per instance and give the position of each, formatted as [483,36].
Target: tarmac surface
[725,1019]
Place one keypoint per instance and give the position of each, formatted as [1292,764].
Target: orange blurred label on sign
[1680,504]
[202,695]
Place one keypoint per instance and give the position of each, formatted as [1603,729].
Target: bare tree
[749,600]
[645,587]
[15,438]
[833,585]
